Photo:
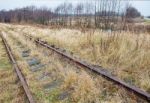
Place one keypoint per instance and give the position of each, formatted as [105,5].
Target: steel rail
[98,70]
[18,71]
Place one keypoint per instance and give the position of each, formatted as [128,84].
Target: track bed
[10,88]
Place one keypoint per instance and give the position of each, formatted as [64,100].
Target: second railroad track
[18,71]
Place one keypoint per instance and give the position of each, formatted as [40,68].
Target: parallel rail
[97,70]
[18,72]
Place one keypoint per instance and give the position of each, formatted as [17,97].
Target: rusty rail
[18,72]
[98,70]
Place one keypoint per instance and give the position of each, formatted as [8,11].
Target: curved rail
[19,74]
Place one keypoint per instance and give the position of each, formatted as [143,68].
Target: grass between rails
[84,88]
[125,54]
[52,96]
[10,89]
[29,76]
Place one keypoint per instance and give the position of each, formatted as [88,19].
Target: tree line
[29,14]
[105,14]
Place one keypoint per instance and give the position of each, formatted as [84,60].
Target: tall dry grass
[126,54]
[112,51]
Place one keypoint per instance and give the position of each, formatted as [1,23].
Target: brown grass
[10,89]
[102,49]
[125,54]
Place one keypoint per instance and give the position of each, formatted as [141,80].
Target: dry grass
[86,90]
[29,76]
[125,54]
[10,89]
[82,86]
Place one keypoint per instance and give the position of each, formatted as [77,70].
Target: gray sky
[142,5]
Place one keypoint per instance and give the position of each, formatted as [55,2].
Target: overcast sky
[142,5]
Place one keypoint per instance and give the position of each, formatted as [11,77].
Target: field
[74,51]
[124,54]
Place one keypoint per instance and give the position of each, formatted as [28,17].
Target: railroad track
[18,72]
[98,70]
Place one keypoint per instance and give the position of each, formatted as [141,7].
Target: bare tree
[102,14]
[79,12]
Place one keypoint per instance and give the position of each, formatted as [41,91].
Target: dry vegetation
[10,88]
[125,54]
[81,86]
[106,33]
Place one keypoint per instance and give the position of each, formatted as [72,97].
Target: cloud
[142,6]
